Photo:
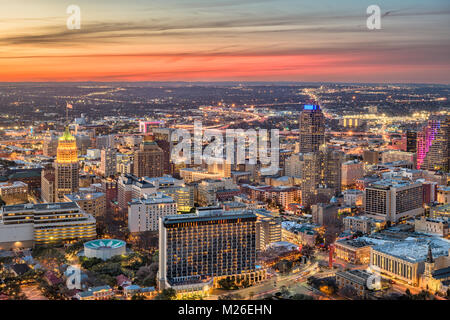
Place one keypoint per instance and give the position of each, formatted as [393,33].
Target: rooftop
[41,206]
[211,215]
[415,249]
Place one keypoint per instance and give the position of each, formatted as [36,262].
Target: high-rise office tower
[149,159]
[163,137]
[321,175]
[48,185]
[108,163]
[433,145]
[212,244]
[411,141]
[66,166]
[312,128]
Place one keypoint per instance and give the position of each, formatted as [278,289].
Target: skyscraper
[108,163]
[433,144]
[411,141]
[312,128]
[321,175]
[149,159]
[66,166]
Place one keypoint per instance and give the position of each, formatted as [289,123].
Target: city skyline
[253,40]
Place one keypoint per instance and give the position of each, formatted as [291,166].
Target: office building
[268,229]
[432,226]
[149,159]
[66,166]
[312,128]
[207,190]
[371,157]
[433,144]
[411,141]
[362,224]
[14,192]
[351,172]
[443,194]
[108,162]
[321,175]
[324,214]
[93,203]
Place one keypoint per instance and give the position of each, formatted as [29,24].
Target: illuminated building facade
[312,128]
[66,166]
[149,159]
[144,213]
[433,145]
[212,244]
[43,224]
[92,202]
[14,192]
[108,163]
[268,229]
[321,175]
[393,200]
[407,260]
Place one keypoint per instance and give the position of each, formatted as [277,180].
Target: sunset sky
[202,40]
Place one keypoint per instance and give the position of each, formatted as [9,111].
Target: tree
[308,251]
[227,284]
[166,294]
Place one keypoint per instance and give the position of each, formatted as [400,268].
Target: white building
[353,197]
[144,213]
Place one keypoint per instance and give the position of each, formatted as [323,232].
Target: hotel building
[29,224]
[393,200]
[205,247]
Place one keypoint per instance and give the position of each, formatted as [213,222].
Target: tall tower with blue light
[312,128]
